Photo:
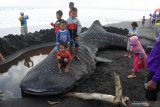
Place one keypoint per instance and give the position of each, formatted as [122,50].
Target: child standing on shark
[74,28]
[71,5]
[63,35]
[56,25]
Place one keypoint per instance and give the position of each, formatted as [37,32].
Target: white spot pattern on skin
[45,76]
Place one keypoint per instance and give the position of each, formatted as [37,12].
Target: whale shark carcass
[45,78]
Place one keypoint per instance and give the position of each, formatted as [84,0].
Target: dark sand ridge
[101,81]
[13,46]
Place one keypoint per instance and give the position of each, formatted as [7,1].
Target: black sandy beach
[102,81]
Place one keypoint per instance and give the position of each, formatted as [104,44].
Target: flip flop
[52,103]
[125,55]
[131,76]
[129,56]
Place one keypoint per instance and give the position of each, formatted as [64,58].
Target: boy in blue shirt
[23,20]
[63,35]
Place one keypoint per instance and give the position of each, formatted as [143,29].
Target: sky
[122,4]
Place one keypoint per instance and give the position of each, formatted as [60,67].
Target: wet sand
[102,81]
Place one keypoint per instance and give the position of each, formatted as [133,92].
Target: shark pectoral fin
[100,59]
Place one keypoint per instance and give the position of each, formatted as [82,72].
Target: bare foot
[126,55]
[129,56]
[77,57]
[66,69]
[131,76]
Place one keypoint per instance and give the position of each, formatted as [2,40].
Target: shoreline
[16,30]
[32,29]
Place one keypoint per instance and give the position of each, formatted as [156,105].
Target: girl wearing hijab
[139,56]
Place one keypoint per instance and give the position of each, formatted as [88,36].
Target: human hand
[51,23]
[151,85]
[125,40]
[139,62]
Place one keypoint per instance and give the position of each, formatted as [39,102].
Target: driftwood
[52,103]
[117,99]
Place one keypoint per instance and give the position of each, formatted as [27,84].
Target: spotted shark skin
[45,78]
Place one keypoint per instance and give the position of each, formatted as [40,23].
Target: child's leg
[132,75]
[59,60]
[76,53]
[22,30]
[136,63]
[135,68]
[25,30]
[66,66]
[71,47]
[142,64]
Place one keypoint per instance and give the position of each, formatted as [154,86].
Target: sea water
[40,18]
[12,73]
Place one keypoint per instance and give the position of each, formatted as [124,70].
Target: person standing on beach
[56,25]
[23,20]
[143,21]
[158,16]
[74,28]
[1,58]
[132,32]
[71,5]
[152,78]
[154,16]
[150,20]
[139,56]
